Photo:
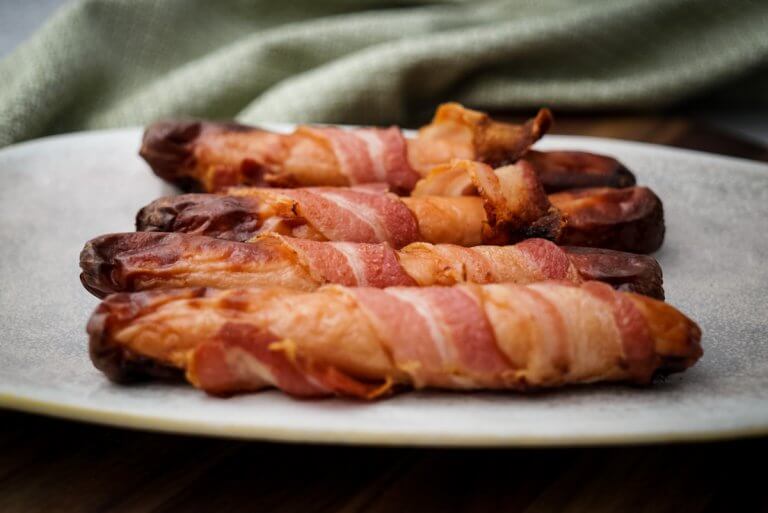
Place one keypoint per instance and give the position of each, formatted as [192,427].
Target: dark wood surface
[51,465]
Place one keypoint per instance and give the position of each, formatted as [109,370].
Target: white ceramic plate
[56,193]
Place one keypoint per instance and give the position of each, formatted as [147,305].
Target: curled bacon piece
[460,133]
[129,262]
[209,156]
[362,342]
[511,206]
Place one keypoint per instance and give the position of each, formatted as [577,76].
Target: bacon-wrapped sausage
[361,342]
[213,156]
[629,219]
[511,206]
[129,262]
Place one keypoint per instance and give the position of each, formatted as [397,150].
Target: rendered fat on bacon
[366,342]
[129,262]
[213,156]
[504,212]
[628,219]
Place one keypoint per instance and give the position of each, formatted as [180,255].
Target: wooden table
[50,465]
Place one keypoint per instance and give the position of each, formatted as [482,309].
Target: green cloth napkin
[107,63]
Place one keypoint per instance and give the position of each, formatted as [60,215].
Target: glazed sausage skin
[564,170]
[627,272]
[629,219]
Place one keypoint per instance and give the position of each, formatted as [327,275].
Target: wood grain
[50,465]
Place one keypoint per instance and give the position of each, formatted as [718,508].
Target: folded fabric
[106,63]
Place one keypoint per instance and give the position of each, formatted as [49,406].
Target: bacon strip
[370,265]
[509,192]
[362,342]
[351,153]
[240,360]
[371,155]
[513,198]
[389,152]
[349,214]
[460,133]
[213,156]
[526,262]
[472,359]
[445,180]
[128,262]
